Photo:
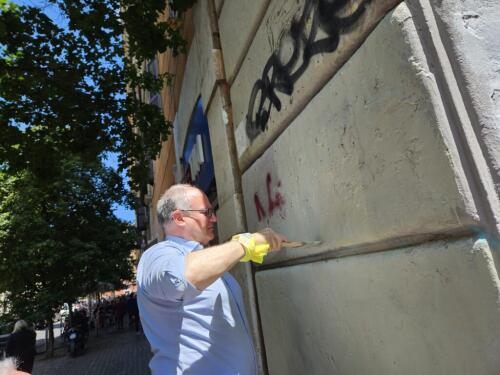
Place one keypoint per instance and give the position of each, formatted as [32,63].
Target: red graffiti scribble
[258,206]
[274,202]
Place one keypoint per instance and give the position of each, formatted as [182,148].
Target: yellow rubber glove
[253,252]
[259,253]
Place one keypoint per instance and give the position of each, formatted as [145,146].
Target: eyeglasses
[208,212]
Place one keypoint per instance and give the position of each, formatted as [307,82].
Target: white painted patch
[242,141]
[224,117]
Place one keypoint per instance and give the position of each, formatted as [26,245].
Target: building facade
[371,130]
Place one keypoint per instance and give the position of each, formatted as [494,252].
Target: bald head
[176,197]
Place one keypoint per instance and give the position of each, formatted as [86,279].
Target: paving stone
[111,353]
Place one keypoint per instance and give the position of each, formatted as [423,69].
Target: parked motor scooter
[76,341]
[76,333]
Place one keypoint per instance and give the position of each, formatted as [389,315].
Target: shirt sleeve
[167,280]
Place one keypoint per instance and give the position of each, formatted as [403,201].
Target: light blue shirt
[191,331]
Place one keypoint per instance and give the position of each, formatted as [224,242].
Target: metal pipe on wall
[224,90]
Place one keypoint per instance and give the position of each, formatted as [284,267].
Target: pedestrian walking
[133,312]
[21,346]
[121,308]
[191,308]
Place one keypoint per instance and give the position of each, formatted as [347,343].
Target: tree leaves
[58,241]
[69,95]
[69,88]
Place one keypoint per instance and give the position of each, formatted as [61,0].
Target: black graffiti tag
[279,75]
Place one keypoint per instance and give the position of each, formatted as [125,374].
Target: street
[113,352]
[41,333]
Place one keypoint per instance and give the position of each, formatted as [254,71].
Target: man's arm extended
[205,266]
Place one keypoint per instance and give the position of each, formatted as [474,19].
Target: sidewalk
[111,353]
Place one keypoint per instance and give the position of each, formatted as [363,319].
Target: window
[154,97]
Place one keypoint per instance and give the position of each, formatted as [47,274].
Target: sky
[120,211]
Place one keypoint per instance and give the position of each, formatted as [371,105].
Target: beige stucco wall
[428,309]
[380,154]
[368,158]
[470,35]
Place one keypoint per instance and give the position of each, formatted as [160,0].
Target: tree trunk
[50,346]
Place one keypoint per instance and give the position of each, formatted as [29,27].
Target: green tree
[68,95]
[59,240]
[68,87]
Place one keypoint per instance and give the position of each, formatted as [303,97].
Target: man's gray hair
[176,197]
[8,366]
[20,325]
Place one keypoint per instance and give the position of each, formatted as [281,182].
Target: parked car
[3,343]
[5,330]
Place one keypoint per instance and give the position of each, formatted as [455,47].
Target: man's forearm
[205,266]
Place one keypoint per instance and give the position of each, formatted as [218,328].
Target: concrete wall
[428,309]
[377,134]
[470,38]
[368,158]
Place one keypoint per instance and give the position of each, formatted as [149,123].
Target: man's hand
[205,266]
[267,235]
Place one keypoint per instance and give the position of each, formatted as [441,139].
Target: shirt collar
[187,245]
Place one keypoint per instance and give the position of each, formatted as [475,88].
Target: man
[22,346]
[191,308]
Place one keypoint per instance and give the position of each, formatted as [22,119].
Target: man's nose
[213,218]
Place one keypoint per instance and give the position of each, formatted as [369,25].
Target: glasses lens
[207,212]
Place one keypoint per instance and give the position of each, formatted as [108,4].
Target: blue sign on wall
[197,155]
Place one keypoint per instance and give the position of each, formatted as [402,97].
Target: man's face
[199,226]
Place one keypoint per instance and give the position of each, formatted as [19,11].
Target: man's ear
[177,217]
